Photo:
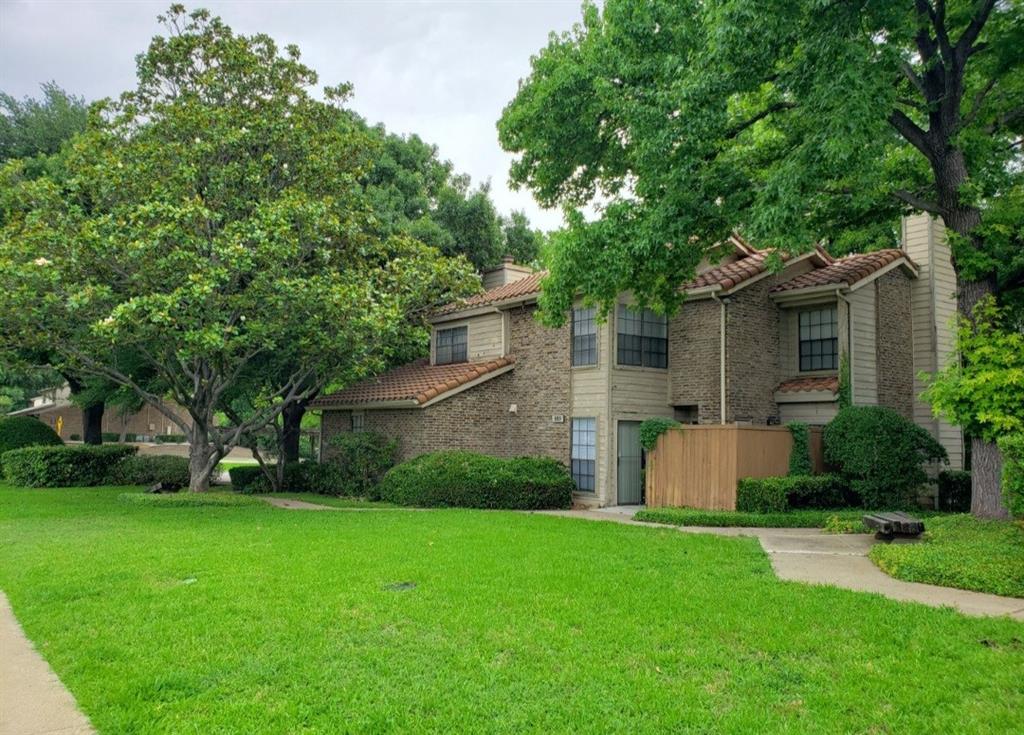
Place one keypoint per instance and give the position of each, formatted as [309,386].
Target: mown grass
[251,619]
[843,520]
[961,551]
[186,499]
[335,501]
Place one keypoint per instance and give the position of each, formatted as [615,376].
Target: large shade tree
[679,121]
[208,219]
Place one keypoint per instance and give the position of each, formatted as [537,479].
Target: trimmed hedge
[299,477]
[63,466]
[248,479]
[460,479]
[150,469]
[954,491]
[1012,448]
[881,455]
[23,431]
[169,439]
[779,494]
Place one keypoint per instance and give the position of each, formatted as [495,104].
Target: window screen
[584,336]
[819,339]
[642,338]
[584,452]
[452,345]
[358,422]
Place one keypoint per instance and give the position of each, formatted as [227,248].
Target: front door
[631,458]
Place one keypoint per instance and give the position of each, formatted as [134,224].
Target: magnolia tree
[793,122]
[210,221]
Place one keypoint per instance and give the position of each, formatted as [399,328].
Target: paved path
[32,699]
[840,560]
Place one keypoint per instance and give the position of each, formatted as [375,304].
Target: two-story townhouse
[749,345]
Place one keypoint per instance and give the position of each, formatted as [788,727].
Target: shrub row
[60,466]
[776,494]
[1012,448]
[149,469]
[460,479]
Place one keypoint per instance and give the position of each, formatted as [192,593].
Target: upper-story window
[584,336]
[819,339]
[452,345]
[642,338]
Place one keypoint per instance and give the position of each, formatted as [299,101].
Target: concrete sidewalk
[33,701]
[841,560]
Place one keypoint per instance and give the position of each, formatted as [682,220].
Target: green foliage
[38,127]
[651,429]
[981,391]
[169,438]
[248,478]
[187,500]
[789,122]
[960,551]
[149,469]
[467,480]
[777,494]
[835,523]
[25,431]
[359,460]
[880,454]
[59,466]
[521,241]
[845,397]
[800,454]
[954,491]
[1012,448]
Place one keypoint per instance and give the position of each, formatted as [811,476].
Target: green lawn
[961,551]
[251,619]
[335,501]
[846,520]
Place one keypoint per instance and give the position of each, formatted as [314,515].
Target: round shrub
[150,469]
[458,479]
[880,454]
[24,431]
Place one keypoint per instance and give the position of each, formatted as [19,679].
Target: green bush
[299,477]
[468,480]
[169,439]
[880,454]
[776,494]
[1012,448]
[651,429]
[248,479]
[954,491]
[75,437]
[800,454]
[23,431]
[150,469]
[112,437]
[358,462]
[63,466]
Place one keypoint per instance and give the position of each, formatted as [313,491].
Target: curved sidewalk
[840,560]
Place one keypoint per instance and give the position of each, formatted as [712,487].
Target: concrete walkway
[32,699]
[841,560]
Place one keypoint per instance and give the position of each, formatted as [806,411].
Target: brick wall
[478,419]
[693,355]
[752,360]
[894,347]
[147,421]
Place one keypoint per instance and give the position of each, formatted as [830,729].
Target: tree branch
[917,202]
[964,45]
[777,107]
[912,132]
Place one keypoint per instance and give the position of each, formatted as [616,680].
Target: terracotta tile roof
[845,271]
[418,381]
[527,286]
[732,274]
[796,385]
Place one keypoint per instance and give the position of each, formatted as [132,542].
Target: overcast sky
[443,70]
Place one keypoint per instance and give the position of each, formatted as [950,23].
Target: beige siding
[816,414]
[589,399]
[863,363]
[485,334]
[933,299]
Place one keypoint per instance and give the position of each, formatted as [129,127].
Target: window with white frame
[584,336]
[358,421]
[642,338]
[452,345]
[819,339]
[584,453]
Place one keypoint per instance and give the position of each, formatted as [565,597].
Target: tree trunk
[200,456]
[291,434]
[92,423]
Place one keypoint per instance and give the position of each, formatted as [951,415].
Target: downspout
[721,356]
[849,337]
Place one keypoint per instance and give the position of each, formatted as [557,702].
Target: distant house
[749,346]
[54,408]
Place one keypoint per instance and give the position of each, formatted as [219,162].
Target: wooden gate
[699,466]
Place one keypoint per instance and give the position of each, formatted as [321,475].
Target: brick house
[748,346]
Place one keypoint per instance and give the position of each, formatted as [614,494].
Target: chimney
[507,272]
[934,308]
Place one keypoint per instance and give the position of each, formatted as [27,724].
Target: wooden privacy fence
[699,466]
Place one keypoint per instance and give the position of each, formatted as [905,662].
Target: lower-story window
[584,452]
[358,421]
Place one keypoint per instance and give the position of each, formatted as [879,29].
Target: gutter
[721,355]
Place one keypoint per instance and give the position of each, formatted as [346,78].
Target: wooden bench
[889,525]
